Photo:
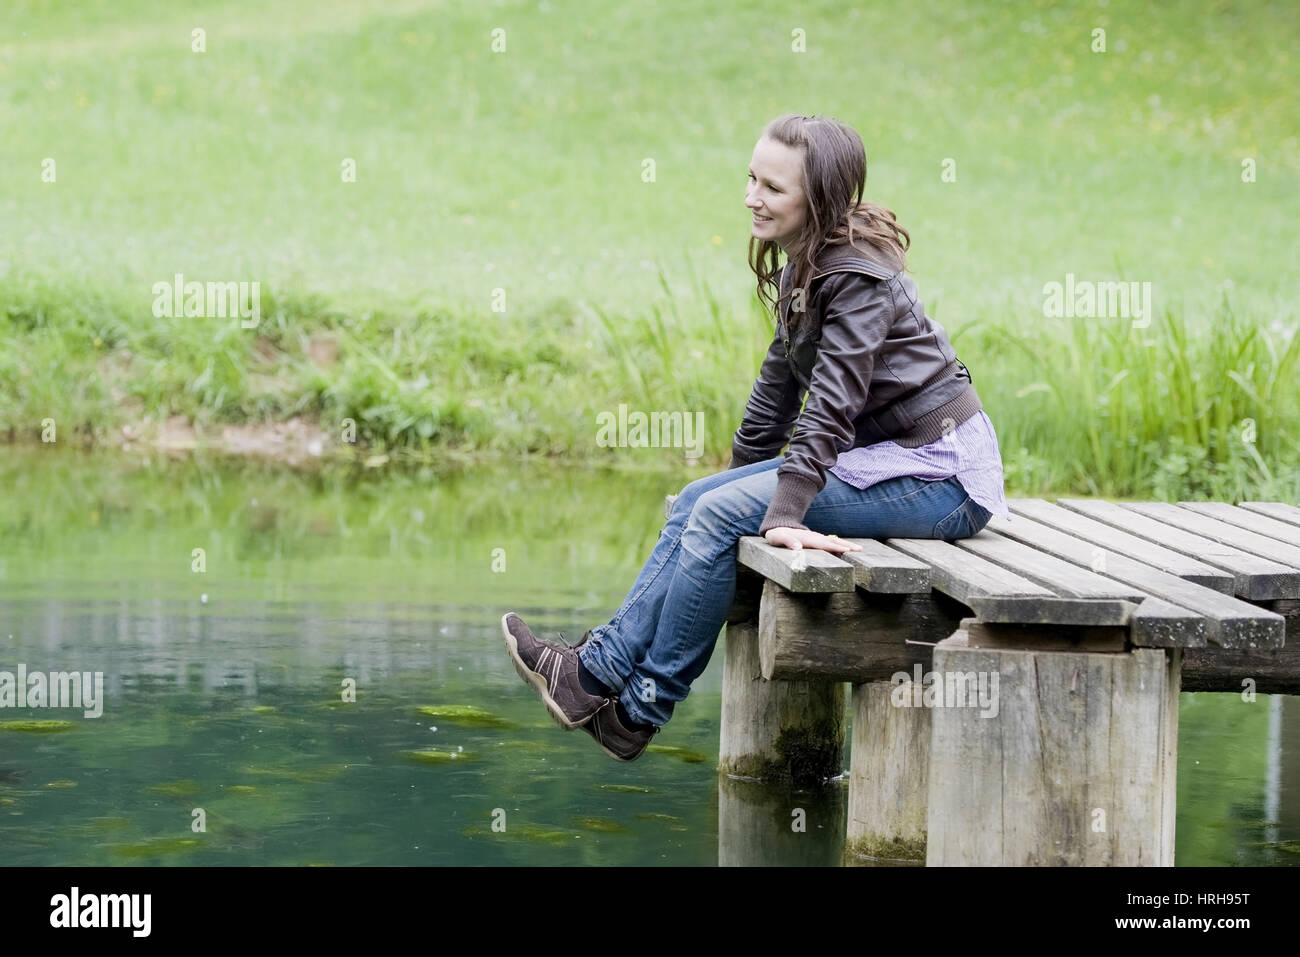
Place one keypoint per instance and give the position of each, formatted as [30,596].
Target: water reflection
[763,826]
[227,689]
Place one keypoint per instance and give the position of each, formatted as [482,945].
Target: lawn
[503,269]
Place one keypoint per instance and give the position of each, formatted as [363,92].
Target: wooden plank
[1062,578]
[1157,622]
[879,568]
[1222,532]
[1230,622]
[1269,670]
[1161,624]
[850,636]
[798,570]
[1254,577]
[1244,518]
[1278,510]
[984,634]
[999,594]
[1103,537]
[962,575]
[1053,611]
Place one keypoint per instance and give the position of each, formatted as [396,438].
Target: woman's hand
[798,538]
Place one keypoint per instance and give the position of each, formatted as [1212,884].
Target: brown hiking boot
[553,672]
[615,738]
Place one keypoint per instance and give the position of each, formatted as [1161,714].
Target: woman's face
[775,193]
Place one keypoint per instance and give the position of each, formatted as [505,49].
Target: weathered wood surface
[889,773]
[983,634]
[1062,578]
[1278,510]
[854,640]
[749,593]
[1000,594]
[1246,519]
[1077,766]
[1254,577]
[886,570]
[964,576]
[1161,624]
[1155,622]
[1269,670]
[797,570]
[1224,533]
[1054,611]
[779,731]
[851,636]
[1207,616]
[1107,541]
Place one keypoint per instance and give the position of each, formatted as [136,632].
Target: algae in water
[466,714]
[436,756]
[37,727]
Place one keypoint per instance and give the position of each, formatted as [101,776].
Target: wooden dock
[1014,694]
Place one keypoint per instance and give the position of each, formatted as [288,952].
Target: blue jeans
[662,638]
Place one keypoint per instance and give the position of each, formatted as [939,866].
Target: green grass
[521,171]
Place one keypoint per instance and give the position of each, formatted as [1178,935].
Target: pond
[307,668]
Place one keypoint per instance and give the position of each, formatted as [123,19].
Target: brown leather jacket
[874,366]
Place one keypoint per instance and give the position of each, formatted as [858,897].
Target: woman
[891,443]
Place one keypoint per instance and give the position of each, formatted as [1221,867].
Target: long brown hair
[834,175]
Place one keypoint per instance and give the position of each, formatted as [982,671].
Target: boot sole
[539,683]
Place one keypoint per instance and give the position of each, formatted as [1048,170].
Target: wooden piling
[888,774]
[1074,766]
[776,730]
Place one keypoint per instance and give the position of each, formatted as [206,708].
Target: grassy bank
[515,178]
[1100,407]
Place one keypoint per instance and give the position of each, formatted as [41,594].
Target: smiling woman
[891,442]
[774,193]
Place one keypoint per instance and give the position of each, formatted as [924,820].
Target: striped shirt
[970,452]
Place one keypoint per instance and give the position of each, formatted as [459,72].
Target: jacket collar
[840,258]
[843,258]
[846,258]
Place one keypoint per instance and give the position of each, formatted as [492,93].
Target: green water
[224,689]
